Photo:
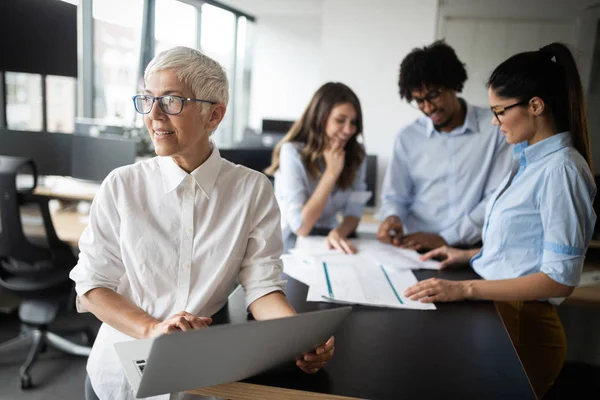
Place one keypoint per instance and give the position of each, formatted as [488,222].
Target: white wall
[362,45]
[285,66]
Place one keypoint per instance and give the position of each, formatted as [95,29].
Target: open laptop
[223,353]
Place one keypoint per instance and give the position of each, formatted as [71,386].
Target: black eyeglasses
[170,104]
[432,97]
[499,110]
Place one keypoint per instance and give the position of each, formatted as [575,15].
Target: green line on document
[390,282]
[327,279]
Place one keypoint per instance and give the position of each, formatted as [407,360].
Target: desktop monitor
[276,126]
[50,151]
[254,158]
[372,179]
[96,127]
[94,157]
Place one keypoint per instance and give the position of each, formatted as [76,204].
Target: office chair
[39,275]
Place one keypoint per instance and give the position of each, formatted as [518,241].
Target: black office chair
[39,275]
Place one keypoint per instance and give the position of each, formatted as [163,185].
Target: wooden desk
[68,226]
[587,295]
[461,350]
[42,191]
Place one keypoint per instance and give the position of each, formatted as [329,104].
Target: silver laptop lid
[229,353]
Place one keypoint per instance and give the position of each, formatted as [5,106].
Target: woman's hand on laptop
[314,361]
[182,321]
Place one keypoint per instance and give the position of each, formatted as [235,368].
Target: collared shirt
[294,186]
[541,217]
[170,241]
[440,182]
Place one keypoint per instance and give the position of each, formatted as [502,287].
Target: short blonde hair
[202,74]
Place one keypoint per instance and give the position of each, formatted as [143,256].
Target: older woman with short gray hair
[169,236]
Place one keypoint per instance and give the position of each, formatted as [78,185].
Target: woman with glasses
[320,169]
[540,221]
[169,236]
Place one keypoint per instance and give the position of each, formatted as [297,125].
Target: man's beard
[443,124]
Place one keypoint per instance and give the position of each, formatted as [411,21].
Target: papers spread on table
[371,249]
[376,276]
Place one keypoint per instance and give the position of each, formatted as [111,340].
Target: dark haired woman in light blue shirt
[539,222]
[318,166]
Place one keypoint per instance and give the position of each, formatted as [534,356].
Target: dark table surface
[459,351]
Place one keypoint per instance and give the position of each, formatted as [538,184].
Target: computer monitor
[94,157]
[254,158]
[372,179]
[276,126]
[50,151]
[64,154]
[95,127]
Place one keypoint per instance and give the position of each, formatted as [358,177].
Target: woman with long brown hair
[540,220]
[317,167]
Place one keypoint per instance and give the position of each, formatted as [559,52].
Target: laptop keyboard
[140,364]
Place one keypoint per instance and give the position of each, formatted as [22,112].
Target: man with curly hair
[446,164]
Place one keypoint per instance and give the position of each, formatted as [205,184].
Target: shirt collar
[535,152]
[205,175]
[470,123]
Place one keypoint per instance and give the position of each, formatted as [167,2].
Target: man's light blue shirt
[440,182]
[294,186]
[541,218]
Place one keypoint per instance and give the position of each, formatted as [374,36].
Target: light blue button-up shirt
[541,218]
[440,182]
[294,186]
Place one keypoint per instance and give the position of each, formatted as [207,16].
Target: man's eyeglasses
[170,104]
[500,110]
[431,97]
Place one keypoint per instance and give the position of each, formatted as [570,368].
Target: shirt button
[186,265]
[188,231]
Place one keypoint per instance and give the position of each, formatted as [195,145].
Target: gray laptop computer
[223,353]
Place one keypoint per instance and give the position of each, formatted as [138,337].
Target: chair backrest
[13,242]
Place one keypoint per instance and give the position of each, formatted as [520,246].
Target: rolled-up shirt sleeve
[99,263]
[292,180]
[353,208]
[260,272]
[568,220]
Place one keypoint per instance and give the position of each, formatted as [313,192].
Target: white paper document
[392,256]
[368,249]
[353,280]
[299,268]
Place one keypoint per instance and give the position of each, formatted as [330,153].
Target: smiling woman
[207,223]
[180,128]
[318,165]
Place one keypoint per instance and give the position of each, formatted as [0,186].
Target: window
[60,103]
[168,34]
[23,101]
[117,43]
[218,40]
[241,100]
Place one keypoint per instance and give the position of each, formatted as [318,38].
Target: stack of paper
[376,275]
